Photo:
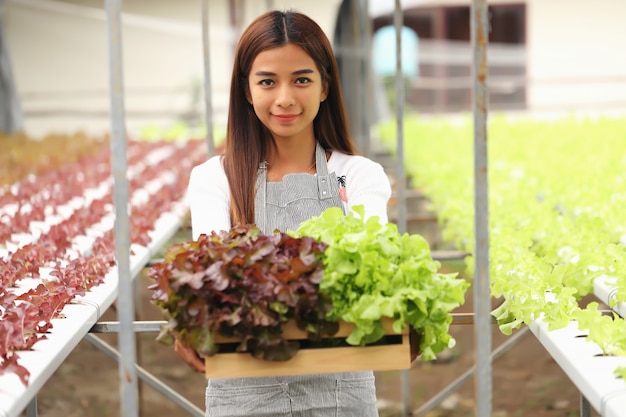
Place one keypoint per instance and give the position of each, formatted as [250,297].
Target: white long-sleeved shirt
[208,195]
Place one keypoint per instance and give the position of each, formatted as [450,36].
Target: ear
[324,95]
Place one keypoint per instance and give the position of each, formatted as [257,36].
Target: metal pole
[401,175]
[482,300]
[150,379]
[357,58]
[585,406]
[207,79]
[31,408]
[11,119]
[366,69]
[401,180]
[129,399]
[460,381]
[138,343]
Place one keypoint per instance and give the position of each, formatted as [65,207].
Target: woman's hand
[190,356]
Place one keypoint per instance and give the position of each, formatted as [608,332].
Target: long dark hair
[246,138]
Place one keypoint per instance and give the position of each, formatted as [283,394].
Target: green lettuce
[371,271]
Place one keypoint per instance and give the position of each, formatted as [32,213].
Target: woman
[288,157]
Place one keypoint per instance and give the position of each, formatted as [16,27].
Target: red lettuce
[245,284]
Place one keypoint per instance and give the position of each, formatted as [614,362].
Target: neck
[282,152]
[283,161]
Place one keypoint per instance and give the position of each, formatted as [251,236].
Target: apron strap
[323,179]
[261,195]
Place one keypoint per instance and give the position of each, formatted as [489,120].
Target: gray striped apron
[283,206]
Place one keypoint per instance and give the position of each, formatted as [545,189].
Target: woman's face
[286,90]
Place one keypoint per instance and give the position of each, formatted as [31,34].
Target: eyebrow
[269,73]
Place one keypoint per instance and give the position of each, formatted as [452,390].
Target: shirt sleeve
[208,197]
[367,184]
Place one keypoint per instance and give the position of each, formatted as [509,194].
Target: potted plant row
[341,293]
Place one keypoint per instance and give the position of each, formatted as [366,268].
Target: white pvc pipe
[604,288]
[583,363]
[47,355]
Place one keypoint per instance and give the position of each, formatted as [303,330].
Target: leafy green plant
[371,271]
[335,267]
[556,213]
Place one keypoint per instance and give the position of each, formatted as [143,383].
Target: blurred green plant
[556,217]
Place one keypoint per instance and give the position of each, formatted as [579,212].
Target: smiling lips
[286,118]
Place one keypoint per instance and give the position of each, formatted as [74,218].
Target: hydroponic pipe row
[586,366]
[157,212]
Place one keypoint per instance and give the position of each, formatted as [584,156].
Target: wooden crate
[385,357]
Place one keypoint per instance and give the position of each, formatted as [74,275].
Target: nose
[285,96]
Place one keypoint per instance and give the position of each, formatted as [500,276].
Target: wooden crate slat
[383,357]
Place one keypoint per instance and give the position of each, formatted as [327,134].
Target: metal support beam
[129,404]
[367,86]
[155,326]
[400,98]
[482,296]
[148,378]
[10,108]
[31,408]
[400,171]
[585,406]
[460,381]
[137,326]
[207,79]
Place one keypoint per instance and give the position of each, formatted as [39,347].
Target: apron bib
[284,205]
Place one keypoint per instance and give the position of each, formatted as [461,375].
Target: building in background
[10,111]
[544,55]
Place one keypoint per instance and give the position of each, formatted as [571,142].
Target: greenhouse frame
[583,363]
